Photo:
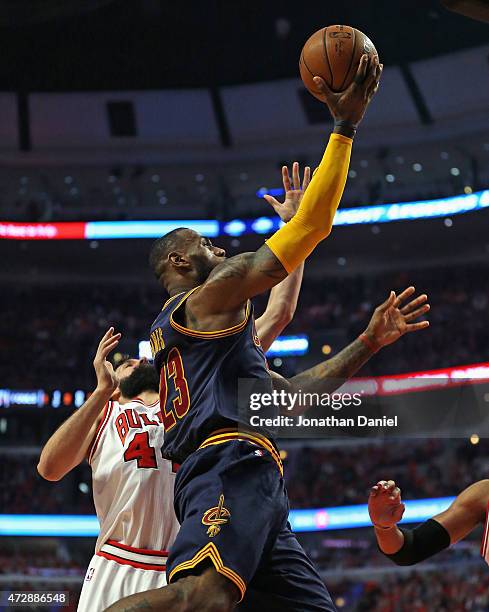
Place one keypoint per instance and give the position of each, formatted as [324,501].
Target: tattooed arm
[389,322]
[327,376]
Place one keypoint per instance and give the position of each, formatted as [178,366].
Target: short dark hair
[122,361]
[162,247]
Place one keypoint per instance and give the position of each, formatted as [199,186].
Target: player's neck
[147,397]
[181,289]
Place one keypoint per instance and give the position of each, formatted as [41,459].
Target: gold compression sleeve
[313,221]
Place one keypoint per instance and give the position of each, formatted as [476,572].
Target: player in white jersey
[132,483]
[411,546]
[122,439]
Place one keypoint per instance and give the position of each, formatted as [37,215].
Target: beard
[143,378]
[203,267]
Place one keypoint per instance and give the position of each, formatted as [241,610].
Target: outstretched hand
[391,320]
[385,506]
[350,105]
[107,380]
[293,192]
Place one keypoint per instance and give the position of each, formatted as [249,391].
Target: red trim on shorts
[141,551]
[100,429]
[137,564]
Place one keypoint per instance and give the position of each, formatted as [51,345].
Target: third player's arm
[411,546]
[389,322]
[283,297]
[280,308]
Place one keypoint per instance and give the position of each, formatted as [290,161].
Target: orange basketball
[333,53]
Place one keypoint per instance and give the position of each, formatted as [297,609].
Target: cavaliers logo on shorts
[215,517]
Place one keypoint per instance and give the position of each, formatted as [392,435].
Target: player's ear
[178,260]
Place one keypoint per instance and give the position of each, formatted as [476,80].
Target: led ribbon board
[350,517]
[320,519]
[102,230]
[284,346]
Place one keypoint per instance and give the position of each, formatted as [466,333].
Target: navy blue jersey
[199,373]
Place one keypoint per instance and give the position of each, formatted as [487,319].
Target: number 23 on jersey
[173,373]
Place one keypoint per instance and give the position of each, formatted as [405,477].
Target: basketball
[333,53]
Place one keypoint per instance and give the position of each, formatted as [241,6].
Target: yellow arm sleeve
[296,240]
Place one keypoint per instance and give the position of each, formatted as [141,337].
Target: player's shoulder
[173,300]
[163,317]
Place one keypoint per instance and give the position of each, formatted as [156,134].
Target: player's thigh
[107,581]
[287,581]
[230,514]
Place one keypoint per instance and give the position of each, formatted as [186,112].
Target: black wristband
[345,128]
[426,540]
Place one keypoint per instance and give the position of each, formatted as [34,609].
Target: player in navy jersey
[235,546]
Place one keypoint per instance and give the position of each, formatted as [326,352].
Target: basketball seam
[352,56]
[304,61]
[325,47]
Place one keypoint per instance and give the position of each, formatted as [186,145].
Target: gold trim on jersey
[208,335]
[210,551]
[226,435]
[170,299]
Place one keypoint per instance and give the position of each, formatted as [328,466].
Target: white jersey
[107,581]
[132,483]
[133,495]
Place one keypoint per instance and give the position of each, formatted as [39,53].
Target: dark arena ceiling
[63,45]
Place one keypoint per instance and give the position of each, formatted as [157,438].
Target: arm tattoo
[329,375]
[267,263]
[262,261]
[190,319]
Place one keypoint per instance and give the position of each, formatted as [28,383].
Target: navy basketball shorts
[231,502]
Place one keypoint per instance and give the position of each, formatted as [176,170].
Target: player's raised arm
[390,321]
[69,444]
[283,297]
[231,283]
[411,546]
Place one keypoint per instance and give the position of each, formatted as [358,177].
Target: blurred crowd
[334,556]
[458,335]
[316,477]
[440,591]
[40,564]
[23,491]
[343,475]
[55,344]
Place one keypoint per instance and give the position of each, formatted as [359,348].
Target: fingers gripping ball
[333,53]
